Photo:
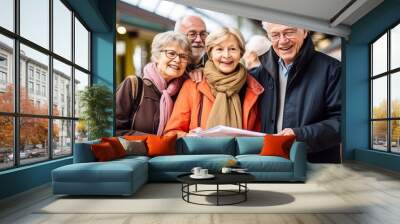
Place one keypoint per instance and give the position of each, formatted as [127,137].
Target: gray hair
[265,27]
[178,23]
[162,40]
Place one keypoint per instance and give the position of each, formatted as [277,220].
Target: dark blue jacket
[312,102]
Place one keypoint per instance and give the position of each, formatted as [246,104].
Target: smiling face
[171,68]
[194,24]
[286,41]
[226,54]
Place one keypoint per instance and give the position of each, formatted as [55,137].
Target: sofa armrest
[83,153]
[298,155]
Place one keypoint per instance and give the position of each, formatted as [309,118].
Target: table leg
[245,191]
[182,190]
[217,194]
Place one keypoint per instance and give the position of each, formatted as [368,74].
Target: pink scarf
[167,89]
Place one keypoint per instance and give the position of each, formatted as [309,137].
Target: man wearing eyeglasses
[302,92]
[195,30]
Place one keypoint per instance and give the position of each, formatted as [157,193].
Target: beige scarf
[227,108]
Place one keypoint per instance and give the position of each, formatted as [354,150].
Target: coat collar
[253,85]
[205,89]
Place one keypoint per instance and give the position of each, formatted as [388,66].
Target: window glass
[6,142]
[62,138]
[379,97]
[34,80]
[379,56]
[6,74]
[81,131]
[395,47]
[379,135]
[395,95]
[34,144]
[62,29]
[7,14]
[81,45]
[81,81]
[62,91]
[34,21]
[39,62]
[395,136]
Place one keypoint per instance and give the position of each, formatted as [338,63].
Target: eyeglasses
[193,35]
[275,36]
[171,54]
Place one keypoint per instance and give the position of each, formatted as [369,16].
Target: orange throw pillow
[277,145]
[103,152]
[136,137]
[116,145]
[161,145]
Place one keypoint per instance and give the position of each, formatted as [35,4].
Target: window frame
[51,118]
[388,74]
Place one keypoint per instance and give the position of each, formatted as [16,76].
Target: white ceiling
[324,16]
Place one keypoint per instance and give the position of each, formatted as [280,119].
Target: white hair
[162,40]
[178,23]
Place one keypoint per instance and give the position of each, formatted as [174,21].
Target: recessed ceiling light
[121,30]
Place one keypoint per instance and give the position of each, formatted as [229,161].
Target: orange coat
[185,115]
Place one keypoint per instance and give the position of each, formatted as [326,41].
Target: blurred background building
[138,21]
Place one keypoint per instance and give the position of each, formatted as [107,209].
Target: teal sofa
[125,176]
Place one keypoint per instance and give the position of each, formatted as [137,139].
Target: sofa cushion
[116,145]
[112,171]
[83,152]
[135,137]
[161,145]
[249,145]
[207,145]
[185,163]
[134,147]
[131,158]
[277,145]
[257,163]
[103,152]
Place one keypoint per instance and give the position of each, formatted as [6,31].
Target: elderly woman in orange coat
[227,95]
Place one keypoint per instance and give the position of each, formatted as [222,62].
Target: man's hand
[196,75]
[286,132]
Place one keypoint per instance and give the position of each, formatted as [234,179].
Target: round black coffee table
[238,179]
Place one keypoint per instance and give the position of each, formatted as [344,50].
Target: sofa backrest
[249,145]
[205,145]
[190,146]
[83,153]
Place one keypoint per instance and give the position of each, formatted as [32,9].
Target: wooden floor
[377,188]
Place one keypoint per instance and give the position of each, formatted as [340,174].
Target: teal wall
[24,178]
[356,85]
[99,16]
[103,53]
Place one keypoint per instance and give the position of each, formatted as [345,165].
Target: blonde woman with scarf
[162,79]
[226,96]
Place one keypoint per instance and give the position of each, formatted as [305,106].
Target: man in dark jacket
[302,92]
